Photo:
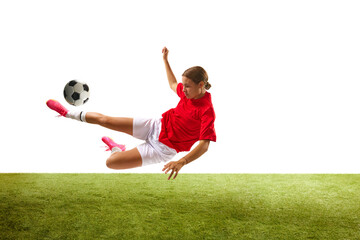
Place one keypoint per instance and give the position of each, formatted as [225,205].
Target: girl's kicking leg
[119,159]
[115,123]
[120,124]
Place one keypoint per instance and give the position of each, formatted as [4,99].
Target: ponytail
[207,85]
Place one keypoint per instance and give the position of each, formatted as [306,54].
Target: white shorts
[152,151]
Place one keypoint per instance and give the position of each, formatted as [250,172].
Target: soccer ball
[76,93]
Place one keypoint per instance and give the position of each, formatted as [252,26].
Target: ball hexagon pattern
[76,93]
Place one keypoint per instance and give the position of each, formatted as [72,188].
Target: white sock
[77,115]
[115,149]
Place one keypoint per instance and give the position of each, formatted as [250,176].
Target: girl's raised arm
[169,73]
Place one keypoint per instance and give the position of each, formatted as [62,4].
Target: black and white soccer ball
[76,93]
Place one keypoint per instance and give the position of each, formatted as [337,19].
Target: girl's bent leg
[120,124]
[124,160]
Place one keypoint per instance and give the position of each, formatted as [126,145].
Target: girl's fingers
[166,166]
[171,174]
[173,168]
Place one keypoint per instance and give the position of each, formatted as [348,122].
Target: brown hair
[197,74]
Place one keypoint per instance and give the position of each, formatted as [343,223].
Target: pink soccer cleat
[111,144]
[56,106]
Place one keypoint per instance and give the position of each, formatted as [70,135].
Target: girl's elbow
[206,144]
[206,149]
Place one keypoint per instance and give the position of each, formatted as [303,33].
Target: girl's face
[191,89]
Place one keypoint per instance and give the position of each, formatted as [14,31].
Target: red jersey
[192,120]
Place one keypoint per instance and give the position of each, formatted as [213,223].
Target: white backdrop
[285,77]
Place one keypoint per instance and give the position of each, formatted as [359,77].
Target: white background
[285,77]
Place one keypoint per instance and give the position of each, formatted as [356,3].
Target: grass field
[194,206]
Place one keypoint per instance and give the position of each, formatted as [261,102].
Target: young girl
[176,131]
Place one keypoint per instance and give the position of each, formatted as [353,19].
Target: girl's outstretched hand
[165,52]
[174,166]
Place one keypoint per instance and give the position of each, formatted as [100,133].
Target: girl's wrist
[183,161]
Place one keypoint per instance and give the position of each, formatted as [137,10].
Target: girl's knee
[123,160]
[110,161]
[109,164]
[115,161]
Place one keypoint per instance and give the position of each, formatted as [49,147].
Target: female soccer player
[176,131]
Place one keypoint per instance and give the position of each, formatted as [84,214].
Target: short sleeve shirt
[192,120]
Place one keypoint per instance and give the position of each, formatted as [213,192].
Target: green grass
[194,206]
